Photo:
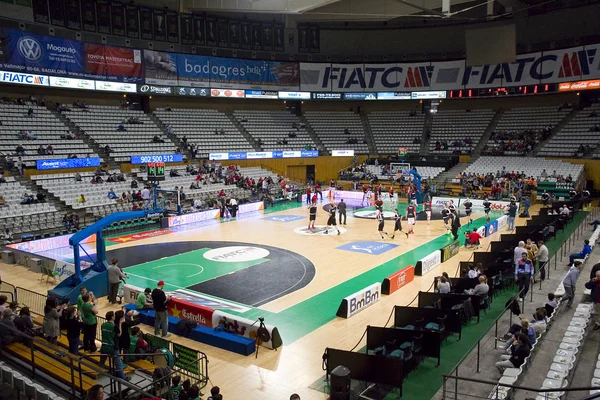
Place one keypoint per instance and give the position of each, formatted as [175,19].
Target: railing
[562,252]
[35,301]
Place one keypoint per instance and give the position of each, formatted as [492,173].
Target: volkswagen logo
[144,88]
[30,48]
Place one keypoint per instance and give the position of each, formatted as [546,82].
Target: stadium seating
[272,127]
[531,166]
[329,127]
[68,190]
[199,125]
[425,172]
[45,126]
[101,123]
[454,126]
[394,129]
[25,217]
[576,133]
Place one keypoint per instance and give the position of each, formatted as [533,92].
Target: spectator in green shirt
[88,311]
[175,388]
[109,347]
[143,302]
[82,291]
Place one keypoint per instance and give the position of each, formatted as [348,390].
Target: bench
[55,368]
[203,334]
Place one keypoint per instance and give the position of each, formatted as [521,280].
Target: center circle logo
[236,254]
[319,230]
[372,214]
[144,88]
[30,48]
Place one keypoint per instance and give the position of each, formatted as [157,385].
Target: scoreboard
[156,171]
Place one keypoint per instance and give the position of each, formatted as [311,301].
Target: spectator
[142,302]
[157,139]
[24,322]
[587,249]
[519,351]
[444,286]
[542,258]
[551,304]
[50,326]
[518,252]
[570,281]
[523,272]
[41,151]
[539,321]
[6,236]
[295,397]
[107,150]
[121,128]
[215,393]
[77,177]
[8,330]
[49,150]
[111,194]
[160,302]
[109,346]
[594,286]
[482,288]
[175,388]
[523,327]
[81,199]
[89,310]
[472,272]
[512,213]
[73,327]
[115,277]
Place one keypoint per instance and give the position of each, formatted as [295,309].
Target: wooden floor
[278,374]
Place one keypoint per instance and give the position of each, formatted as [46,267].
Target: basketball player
[318,190]
[380,221]
[452,207]
[379,205]
[365,191]
[369,194]
[546,199]
[411,214]
[308,195]
[487,206]
[446,216]
[398,225]
[392,196]
[413,198]
[312,215]
[427,207]
[468,209]
[331,220]
[379,189]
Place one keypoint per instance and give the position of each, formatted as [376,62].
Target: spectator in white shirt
[518,253]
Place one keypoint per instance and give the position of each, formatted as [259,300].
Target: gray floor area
[540,362]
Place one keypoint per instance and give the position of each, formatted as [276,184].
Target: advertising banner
[234,34]
[502,222]
[185,219]
[223,30]
[398,279]
[114,62]
[51,243]
[117,19]
[194,312]
[491,228]
[246,327]
[146,24]
[103,16]
[159,18]
[160,90]
[40,11]
[427,263]
[581,85]
[278,37]
[116,87]
[23,79]
[172,27]
[132,21]
[67,163]
[199,30]
[450,250]
[160,68]
[477,203]
[360,300]
[314,39]
[130,293]
[57,12]
[212,33]
[267,34]
[66,269]
[303,39]
[73,14]
[257,36]
[88,16]
[246,35]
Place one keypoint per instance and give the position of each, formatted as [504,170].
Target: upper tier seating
[454,126]
[576,133]
[20,217]
[101,123]
[394,129]
[68,190]
[274,126]
[199,126]
[425,172]
[531,166]
[520,126]
[329,127]
[44,125]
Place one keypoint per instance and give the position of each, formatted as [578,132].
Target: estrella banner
[36,54]
[566,65]
[232,73]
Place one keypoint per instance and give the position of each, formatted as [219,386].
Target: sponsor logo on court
[372,248]
[284,218]
[319,230]
[139,236]
[234,254]
[371,214]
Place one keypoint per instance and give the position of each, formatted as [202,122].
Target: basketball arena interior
[299,199]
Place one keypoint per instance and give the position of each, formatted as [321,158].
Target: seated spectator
[107,150]
[520,350]
[6,236]
[67,221]
[473,238]
[587,249]
[41,151]
[111,194]
[49,150]
[472,273]
[481,289]
[173,172]
[76,221]
[144,300]
[2,201]
[444,286]
[20,150]
[24,322]
[81,199]
[121,128]
[134,184]
[8,331]
[72,155]
[157,139]
[41,197]
[215,393]
[26,199]
[30,112]
[168,108]
[77,177]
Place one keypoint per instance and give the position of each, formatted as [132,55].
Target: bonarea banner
[566,65]
[36,54]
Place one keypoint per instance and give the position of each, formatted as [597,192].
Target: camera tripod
[262,334]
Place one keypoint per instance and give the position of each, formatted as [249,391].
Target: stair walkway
[368,134]
[556,129]
[450,174]
[243,131]
[427,124]
[172,138]
[488,133]
[312,133]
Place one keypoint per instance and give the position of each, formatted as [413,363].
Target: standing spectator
[88,311]
[518,252]
[587,249]
[20,166]
[594,286]
[570,281]
[109,346]
[160,302]
[542,259]
[526,205]
[512,213]
[523,273]
[51,324]
[73,327]
[115,277]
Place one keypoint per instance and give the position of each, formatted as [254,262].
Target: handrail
[538,390]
